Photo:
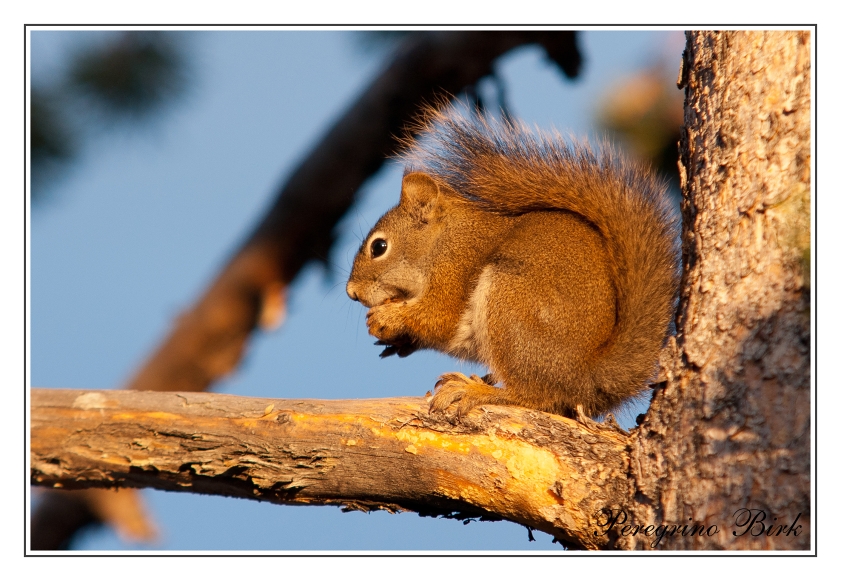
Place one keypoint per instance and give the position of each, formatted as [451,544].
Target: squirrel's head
[395,257]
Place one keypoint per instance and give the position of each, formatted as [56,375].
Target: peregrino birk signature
[745,522]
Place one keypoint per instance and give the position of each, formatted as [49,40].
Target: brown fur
[552,264]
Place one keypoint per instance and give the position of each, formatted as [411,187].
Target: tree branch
[207,341]
[542,471]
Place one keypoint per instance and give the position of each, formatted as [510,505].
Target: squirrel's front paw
[385,323]
[465,393]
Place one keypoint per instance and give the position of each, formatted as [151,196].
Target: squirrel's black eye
[378,247]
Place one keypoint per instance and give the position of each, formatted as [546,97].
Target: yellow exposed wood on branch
[543,471]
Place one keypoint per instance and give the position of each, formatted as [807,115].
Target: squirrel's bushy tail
[506,167]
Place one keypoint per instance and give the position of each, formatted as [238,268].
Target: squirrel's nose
[351,292]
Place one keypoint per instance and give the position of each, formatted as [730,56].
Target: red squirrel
[553,264]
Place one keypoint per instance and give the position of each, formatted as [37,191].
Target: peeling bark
[542,471]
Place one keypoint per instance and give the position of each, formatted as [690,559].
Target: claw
[399,348]
[490,379]
[406,350]
[388,351]
[450,389]
[463,394]
[402,347]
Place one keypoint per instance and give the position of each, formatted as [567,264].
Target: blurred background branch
[127,80]
[207,340]
[644,112]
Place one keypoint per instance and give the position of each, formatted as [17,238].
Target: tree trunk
[731,428]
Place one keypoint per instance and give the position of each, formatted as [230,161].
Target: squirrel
[552,263]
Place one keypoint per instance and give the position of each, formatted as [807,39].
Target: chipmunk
[554,265]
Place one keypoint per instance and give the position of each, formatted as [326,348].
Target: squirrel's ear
[420,196]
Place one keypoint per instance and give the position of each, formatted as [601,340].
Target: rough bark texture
[731,428]
[543,471]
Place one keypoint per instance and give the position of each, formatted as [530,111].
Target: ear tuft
[420,195]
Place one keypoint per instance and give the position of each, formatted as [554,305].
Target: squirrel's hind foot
[463,393]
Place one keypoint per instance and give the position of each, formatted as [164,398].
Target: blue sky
[141,224]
